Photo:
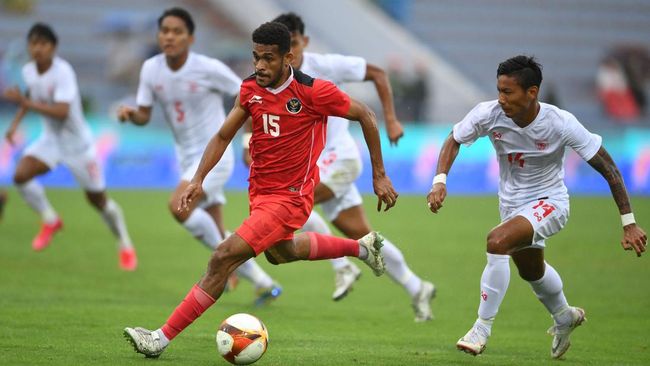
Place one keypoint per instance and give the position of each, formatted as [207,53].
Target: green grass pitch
[69,304]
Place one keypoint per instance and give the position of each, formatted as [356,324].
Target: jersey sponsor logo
[541,144]
[255,99]
[294,106]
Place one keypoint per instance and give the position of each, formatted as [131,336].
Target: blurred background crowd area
[441,55]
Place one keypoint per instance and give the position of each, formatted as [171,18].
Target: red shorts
[273,218]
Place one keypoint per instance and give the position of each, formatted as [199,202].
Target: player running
[340,166]
[530,140]
[288,110]
[190,88]
[53,92]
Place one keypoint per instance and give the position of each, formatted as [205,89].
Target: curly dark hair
[293,21]
[525,69]
[272,33]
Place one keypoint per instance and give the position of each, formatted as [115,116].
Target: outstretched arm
[446,159]
[213,153]
[379,77]
[381,183]
[634,238]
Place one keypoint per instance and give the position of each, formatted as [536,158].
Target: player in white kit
[190,88]
[66,139]
[530,140]
[340,166]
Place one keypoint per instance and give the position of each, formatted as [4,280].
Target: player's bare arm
[140,116]
[379,77]
[634,238]
[13,127]
[380,181]
[56,110]
[213,153]
[438,192]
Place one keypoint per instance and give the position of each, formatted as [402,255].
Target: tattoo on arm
[604,164]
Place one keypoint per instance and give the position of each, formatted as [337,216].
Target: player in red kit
[289,111]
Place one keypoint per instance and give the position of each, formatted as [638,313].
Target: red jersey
[289,129]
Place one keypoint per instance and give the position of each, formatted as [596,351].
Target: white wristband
[246,139]
[627,219]
[440,178]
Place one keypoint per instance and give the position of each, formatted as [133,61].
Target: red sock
[193,305]
[327,247]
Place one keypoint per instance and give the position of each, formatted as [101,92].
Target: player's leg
[543,278]
[266,289]
[314,246]
[33,164]
[113,216]
[346,272]
[90,176]
[229,255]
[348,216]
[196,220]
[214,210]
[205,221]
[502,241]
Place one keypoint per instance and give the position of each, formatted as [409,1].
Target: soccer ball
[242,339]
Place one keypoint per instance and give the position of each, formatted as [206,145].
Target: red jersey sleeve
[329,100]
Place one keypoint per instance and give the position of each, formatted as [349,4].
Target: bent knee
[271,258]
[178,215]
[21,177]
[497,242]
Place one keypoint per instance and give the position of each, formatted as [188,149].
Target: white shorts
[84,166]
[214,182]
[548,217]
[339,176]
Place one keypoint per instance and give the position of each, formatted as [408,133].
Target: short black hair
[525,69]
[293,21]
[179,13]
[272,33]
[44,31]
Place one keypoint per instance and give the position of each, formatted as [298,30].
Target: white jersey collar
[284,85]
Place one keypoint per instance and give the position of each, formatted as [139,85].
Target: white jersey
[59,85]
[191,98]
[531,159]
[337,69]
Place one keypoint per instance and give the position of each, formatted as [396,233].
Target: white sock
[398,270]
[549,291]
[201,225]
[316,224]
[494,284]
[114,218]
[34,194]
[252,271]
[163,338]
[363,252]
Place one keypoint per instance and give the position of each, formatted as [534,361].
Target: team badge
[294,106]
[541,144]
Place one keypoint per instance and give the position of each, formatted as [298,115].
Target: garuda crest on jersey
[294,106]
